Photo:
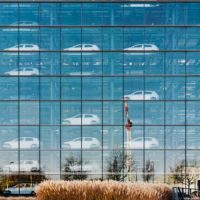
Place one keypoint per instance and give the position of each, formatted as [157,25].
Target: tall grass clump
[105,190]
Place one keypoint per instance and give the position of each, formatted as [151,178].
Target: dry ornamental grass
[106,190]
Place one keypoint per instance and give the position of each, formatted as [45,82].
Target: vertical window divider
[164,107]
[81,90]
[144,107]
[185,107]
[39,85]
[123,112]
[102,96]
[60,76]
[18,60]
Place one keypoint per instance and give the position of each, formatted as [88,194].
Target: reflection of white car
[24,142]
[141,142]
[21,189]
[87,143]
[142,95]
[86,167]
[84,119]
[23,47]
[142,47]
[25,71]
[83,47]
[24,24]
[23,166]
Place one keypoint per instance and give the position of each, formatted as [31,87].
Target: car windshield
[138,46]
[77,116]
[77,139]
[88,116]
[148,92]
[29,45]
[88,45]
[148,45]
[138,139]
[88,139]
[78,46]
[138,93]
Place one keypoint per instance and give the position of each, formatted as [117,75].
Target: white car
[83,47]
[21,189]
[142,95]
[87,143]
[24,24]
[86,167]
[23,166]
[141,142]
[25,71]
[23,47]
[23,142]
[142,47]
[82,119]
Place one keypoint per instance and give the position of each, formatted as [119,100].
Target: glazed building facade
[65,69]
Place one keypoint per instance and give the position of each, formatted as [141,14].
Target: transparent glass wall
[67,70]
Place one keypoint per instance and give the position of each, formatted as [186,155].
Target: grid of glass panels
[65,71]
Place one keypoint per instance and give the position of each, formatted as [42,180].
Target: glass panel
[175,113]
[175,137]
[175,88]
[50,113]
[175,39]
[8,13]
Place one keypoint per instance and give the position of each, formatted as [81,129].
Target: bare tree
[117,166]
[148,171]
[69,169]
[184,174]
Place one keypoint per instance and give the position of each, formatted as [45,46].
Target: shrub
[106,190]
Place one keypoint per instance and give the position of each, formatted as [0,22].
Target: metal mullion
[185,114]
[123,105]
[165,59]
[144,113]
[39,85]
[60,127]
[102,104]
[19,126]
[81,91]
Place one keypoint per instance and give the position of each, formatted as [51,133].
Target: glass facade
[65,70]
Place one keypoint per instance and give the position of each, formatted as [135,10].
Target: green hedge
[106,190]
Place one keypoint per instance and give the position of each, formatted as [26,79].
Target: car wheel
[153,98]
[34,146]
[33,193]
[127,98]
[67,122]
[68,146]
[7,194]
[93,122]
[93,146]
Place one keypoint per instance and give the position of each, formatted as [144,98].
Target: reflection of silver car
[24,24]
[20,189]
[84,142]
[23,71]
[83,47]
[142,47]
[141,142]
[84,119]
[23,47]
[85,167]
[142,95]
[24,142]
[23,166]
